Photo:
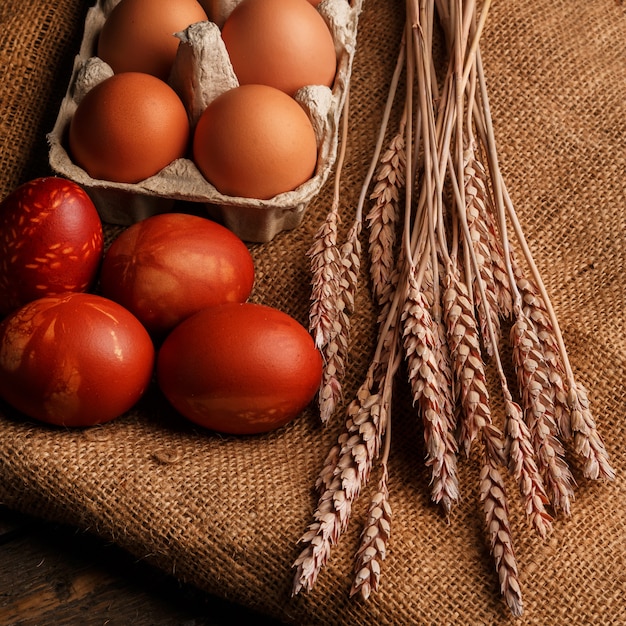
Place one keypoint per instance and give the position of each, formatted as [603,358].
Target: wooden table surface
[54,575]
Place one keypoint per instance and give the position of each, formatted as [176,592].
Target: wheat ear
[349,466]
[468,366]
[420,349]
[522,465]
[519,449]
[476,200]
[587,441]
[496,511]
[375,535]
[535,310]
[384,214]
[350,255]
[469,369]
[327,313]
[538,398]
[474,398]
[573,416]
[446,382]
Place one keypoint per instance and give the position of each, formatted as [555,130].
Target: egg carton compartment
[201,72]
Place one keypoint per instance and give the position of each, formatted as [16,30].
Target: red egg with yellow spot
[169,266]
[51,241]
[74,360]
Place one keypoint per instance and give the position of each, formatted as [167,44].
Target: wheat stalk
[485,221]
[334,279]
[537,362]
[588,444]
[518,449]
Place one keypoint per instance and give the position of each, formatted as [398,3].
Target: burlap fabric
[226,513]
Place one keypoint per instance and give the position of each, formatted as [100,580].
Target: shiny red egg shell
[51,241]
[239,368]
[169,266]
[74,360]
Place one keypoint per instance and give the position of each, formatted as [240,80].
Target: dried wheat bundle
[445,271]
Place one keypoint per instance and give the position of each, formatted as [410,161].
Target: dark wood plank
[51,574]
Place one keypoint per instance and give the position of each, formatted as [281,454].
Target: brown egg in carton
[201,71]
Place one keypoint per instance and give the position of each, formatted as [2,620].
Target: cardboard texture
[201,72]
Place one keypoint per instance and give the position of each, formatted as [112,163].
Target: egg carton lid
[201,71]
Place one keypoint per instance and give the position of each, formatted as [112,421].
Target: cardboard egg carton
[201,72]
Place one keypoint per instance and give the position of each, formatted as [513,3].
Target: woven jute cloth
[225,513]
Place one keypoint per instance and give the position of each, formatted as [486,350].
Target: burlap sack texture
[225,513]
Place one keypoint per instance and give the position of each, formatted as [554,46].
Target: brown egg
[255,141]
[128,127]
[138,35]
[282,43]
